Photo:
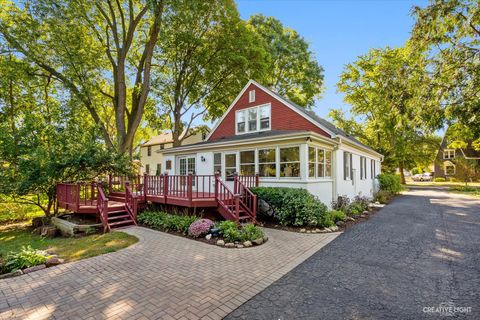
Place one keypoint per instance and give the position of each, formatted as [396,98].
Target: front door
[187,165]
[230,168]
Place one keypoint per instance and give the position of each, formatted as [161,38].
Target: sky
[339,31]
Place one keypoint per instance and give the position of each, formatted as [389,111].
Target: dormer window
[253,119]
[448,154]
[251,96]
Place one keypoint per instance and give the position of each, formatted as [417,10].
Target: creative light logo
[447,309]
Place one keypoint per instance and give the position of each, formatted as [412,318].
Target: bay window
[267,164]
[290,162]
[253,119]
[247,163]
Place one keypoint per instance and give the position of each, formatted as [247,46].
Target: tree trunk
[402,175]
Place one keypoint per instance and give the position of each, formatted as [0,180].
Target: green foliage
[337,215]
[390,183]
[168,222]
[292,206]
[231,232]
[26,258]
[439,179]
[383,196]
[341,204]
[355,208]
[293,70]
[251,232]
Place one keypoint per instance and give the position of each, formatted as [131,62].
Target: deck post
[190,187]
[237,207]
[109,183]
[145,186]
[257,179]
[216,186]
[165,187]
[235,183]
[127,184]
[92,192]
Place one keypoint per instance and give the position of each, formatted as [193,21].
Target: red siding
[283,117]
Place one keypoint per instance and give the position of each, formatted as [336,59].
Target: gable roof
[323,124]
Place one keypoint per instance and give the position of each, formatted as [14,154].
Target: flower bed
[225,233]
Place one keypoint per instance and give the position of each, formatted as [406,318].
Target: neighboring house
[151,159]
[287,145]
[461,163]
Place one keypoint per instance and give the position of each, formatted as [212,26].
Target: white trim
[469,158]
[258,119]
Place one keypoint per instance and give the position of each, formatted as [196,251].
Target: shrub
[229,230]
[439,179]
[390,182]
[383,196]
[362,201]
[293,206]
[341,204]
[251,232]
[165,221]
[355,208]
[453,179]
[337,215]
[200,227]
[26,258]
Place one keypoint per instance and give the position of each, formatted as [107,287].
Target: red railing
[102,208]
[248,200]
[117,184]
[228,201]
[72,195]
[180,186]
[249,181]
[131,203]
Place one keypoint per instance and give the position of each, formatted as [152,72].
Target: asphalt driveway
[418,258]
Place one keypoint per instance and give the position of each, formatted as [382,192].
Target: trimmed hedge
[390,183]
[165,221]
[295,207]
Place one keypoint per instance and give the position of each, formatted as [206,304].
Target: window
[247,163]
[448,154]
[162,146]
[251,96]
[230,166]
[264,117]
[449,169]
[363,168]
[159,169]
[372,169]
[168,164]
[147,169]
[204,136]
[241,121]
[347,166]
[253,119]
[217,163]
[290,162]
[149,151]
[319,162]
[267,164]
[312,162]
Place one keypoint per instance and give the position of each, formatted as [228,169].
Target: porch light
[202,158]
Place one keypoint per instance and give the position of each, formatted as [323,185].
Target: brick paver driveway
[161,277]
[415,254]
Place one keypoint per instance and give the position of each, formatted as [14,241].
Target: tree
[205,55]
[382,86]
[42,141]
[96,49]
[448,31]
[293,70]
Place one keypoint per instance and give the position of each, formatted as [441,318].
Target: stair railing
[227,199]
[131,203]
[248,200]
[102,208]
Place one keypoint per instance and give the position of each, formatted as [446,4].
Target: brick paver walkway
[161,277]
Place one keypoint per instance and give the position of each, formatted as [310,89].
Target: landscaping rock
[350,219]
[247,244]
[208,236]
[340,223]
[220,243]
[366,212]
[318,230]
[11,274]
[334,228]
[53,261]
[328,229]
[239,246]
[258,241]
[49,231]
[309,231]
[34,268]
[303,230]
[265,210]
[265,238]
[230,245]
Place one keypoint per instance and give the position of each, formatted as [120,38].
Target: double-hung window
[319,162]
[253,119]
[267,163]
[217,163]
[372,169]
[149,151]
[448,154]
[247,163]
[363,168]
[347,166]
[290,162]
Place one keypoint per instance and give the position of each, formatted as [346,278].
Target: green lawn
[13,237]
[442,184]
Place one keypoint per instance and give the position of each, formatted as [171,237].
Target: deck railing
[118,184]
[131,202]
[248,199]
[102,208]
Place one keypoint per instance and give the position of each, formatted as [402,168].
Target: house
[287,145]
[458,163]
[151,160]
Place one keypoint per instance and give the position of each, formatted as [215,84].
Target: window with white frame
[217,163]
[251,96]
[290,162]
[267,162]
[372,169]
[448,154]
[347,165]
[247,163]
[149,151]
[319,162]
[449,169]
[363,168]
[253,119]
